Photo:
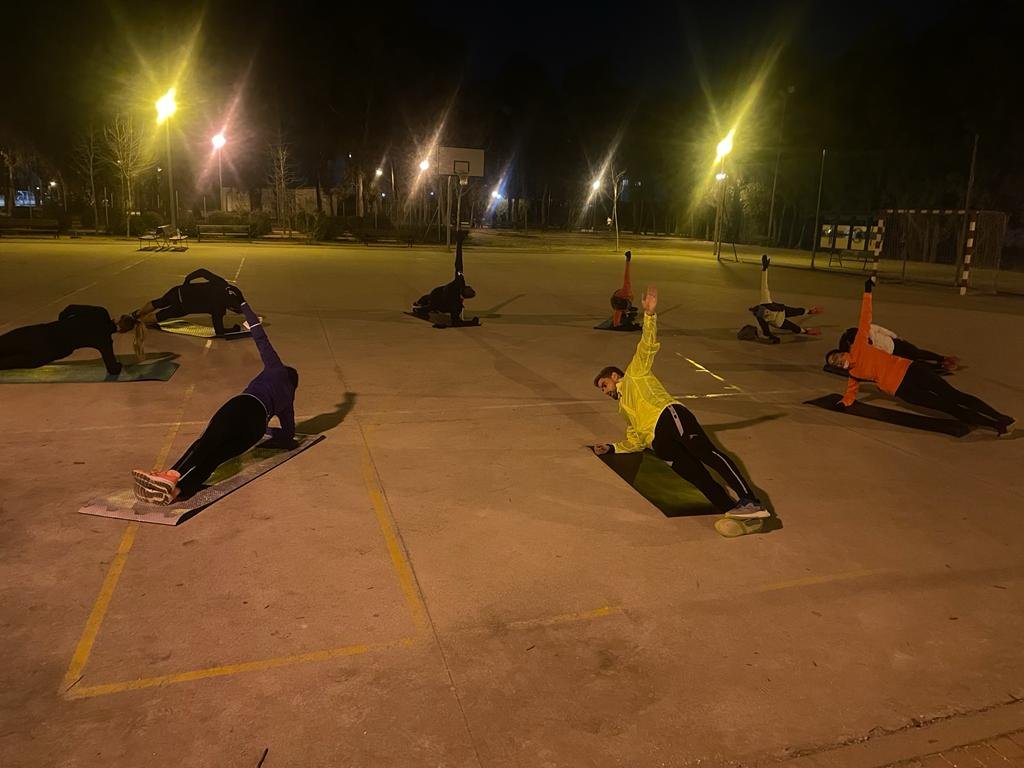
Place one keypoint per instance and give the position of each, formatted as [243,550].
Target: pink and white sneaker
[156,487]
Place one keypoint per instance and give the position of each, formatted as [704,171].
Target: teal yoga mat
[84,371]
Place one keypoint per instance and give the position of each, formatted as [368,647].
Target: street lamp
[724,148]
[218,142]
[165,108]
[778,157]
[379,172]
[424,165]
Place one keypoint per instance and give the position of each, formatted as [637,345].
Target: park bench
[173,238]
[29,226]
[150,240]
[223,230]
[864,257]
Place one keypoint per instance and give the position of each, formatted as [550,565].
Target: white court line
[71,293]
[239,270]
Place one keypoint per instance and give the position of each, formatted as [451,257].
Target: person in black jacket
[78,326]
[443,306]
[211,297]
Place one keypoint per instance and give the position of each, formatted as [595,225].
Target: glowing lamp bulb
[424,165]
[218,141]
[379,172]
[165,106]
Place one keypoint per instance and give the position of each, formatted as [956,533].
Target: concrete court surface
[451,579]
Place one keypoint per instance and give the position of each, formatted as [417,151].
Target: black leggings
[902,348]
[173,305]
[679,439]
[922,386]
[239,425]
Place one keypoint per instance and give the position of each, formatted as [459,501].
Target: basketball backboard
[460,161]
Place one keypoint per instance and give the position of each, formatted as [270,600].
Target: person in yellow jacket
[658,421]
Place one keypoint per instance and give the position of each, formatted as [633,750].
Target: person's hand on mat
[815,310]
[601,449]
[629,255]
[870,283]
[765,261]
[650,301]
[812,331]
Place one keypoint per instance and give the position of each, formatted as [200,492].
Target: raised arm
[204,274]
[458,256]
[270,358]
[864,323]
[647,348]
[627,287]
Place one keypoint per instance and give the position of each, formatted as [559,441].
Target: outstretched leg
[922,386]
[236,427]
[678,435]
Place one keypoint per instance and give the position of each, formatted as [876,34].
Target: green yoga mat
[229,477]
[653,479]
[82,371]
[199,330]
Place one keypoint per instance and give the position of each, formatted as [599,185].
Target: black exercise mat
[607,326]
[892,416]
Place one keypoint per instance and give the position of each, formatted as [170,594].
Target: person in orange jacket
[912,381]
[623,312]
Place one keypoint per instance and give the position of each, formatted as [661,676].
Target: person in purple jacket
[236,427]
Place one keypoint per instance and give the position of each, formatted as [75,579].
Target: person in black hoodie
[78,326]
[443,306]
[211,297]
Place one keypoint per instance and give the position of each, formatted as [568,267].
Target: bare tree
[129,151]
[282,178]
[13,156]
[87,158]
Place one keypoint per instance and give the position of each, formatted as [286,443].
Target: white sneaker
[747,510]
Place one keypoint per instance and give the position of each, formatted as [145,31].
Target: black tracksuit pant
[922,386]
[679,439]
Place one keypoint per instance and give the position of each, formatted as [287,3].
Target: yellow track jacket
[642,397]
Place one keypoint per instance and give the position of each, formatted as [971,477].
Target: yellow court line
[811,580]
[233,669]
[99,609]
[398,558]
[102,603]
[565,618]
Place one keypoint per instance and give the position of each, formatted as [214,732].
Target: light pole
[218,142]
[778,157]
[724,148]
[165,107]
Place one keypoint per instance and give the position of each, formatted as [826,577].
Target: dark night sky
[548,81]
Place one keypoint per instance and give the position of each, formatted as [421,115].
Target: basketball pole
[448,213]
[816,234]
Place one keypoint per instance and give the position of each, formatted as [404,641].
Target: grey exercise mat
[229,477]
[83,371]
[892,416]
[184,327]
